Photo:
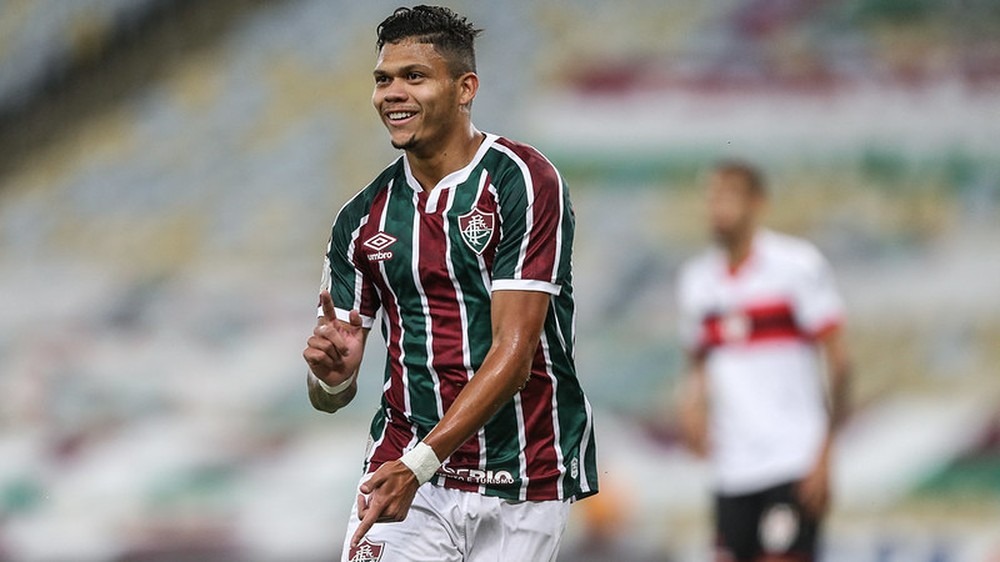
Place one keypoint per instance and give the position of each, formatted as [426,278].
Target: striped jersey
[428,262]
[756,328]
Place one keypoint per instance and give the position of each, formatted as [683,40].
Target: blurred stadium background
[169,170]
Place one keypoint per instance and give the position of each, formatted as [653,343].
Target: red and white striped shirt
[756,328]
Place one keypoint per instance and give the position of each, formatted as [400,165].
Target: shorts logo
[779,527]
[366,551]
[477,229]
[380,242]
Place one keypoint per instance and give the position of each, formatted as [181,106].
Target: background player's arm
[693,407]
[814,491]
[518,319]
[334,353]
[838,370]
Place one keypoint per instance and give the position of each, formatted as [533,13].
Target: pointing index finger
[371,516]
[326,301]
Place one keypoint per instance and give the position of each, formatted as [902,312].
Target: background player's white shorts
[446,525]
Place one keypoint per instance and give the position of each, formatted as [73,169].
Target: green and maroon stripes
[533,209]
[401,249]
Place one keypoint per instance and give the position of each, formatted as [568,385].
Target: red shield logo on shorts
[477,229]
[366,551]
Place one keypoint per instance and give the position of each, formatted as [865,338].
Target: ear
[468,85]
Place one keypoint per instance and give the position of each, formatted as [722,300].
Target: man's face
[732,207]
[416,96]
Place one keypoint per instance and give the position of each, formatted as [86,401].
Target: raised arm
[334,354]
[518,318]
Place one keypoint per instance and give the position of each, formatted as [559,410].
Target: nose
[394,91]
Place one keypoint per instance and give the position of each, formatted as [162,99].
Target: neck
[430,167]
[738,250]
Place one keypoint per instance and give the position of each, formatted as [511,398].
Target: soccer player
[463,246]
[761,319]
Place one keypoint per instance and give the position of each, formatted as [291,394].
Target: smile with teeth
[400,115]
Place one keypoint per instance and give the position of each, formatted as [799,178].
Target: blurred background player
[758,312]
[464,243]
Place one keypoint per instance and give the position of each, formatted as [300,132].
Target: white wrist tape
[337,388]
[422,461]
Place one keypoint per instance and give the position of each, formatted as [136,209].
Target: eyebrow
[403,70]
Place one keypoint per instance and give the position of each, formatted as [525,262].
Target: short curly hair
[451,35]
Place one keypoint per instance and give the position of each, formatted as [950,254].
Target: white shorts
[445,525]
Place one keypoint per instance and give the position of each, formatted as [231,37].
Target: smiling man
[463,247]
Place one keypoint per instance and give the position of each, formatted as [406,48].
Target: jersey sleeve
[818,305]
[349,285]
[536,227]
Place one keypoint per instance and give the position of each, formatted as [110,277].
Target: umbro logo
[379,243]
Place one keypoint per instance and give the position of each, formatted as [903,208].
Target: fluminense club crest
[366,551]
[477,229]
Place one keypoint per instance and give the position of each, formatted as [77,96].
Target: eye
[381,79]
[413,76]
